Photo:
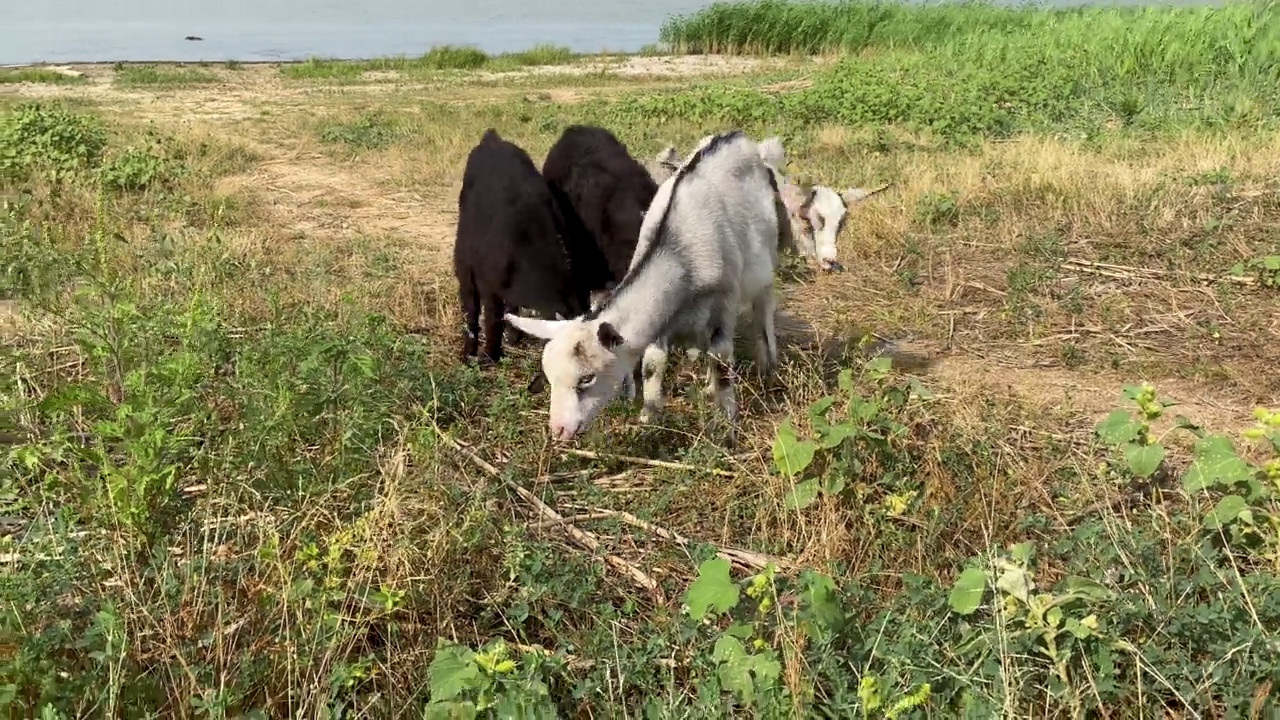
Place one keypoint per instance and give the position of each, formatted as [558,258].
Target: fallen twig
[744,558]
[571,519]
[582,537]
[1125,272]
[591,455]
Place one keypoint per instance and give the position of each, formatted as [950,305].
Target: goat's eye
[586,380]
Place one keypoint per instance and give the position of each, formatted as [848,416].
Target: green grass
[162,76]
[39,75]
[229,483]
[965,70]
[442,57]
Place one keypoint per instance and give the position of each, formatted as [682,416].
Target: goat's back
[723,214]
[608,189]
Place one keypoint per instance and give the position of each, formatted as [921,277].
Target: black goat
[608,189]
[516,247]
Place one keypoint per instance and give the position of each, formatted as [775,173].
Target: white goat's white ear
[559,316]
[771,152]
[537,327]
[853,195]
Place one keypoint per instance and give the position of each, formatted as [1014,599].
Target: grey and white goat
[817,213]
[707,251]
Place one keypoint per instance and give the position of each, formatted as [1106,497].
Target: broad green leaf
[790,455]
[833,484]
[1084,588]
[1077,629]
[819,408]
[863,409]
[766,667]
[820,605]
[879,366]
[1228,509]
[966,594]
[1216,463]
[735,668]
[1118,427]
[452,671]
[1016,582]
[802,495]
[1143,459]
[1054,616]
[713,590]
[833,435]
[742,631]
[1022,551]
[845,381]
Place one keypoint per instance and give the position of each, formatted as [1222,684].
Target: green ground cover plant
[242,474]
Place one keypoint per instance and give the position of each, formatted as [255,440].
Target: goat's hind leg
[494,325]
[764,309]
[721,377]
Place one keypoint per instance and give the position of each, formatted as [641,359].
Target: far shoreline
[567,55]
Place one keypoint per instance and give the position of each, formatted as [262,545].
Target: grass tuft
[39,75]
[161,76]
[439,58]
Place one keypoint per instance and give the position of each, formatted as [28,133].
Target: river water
[64,31]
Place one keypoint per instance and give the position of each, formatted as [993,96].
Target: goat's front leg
[629,383]
[652,366]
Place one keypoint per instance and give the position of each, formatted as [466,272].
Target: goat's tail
[772,153]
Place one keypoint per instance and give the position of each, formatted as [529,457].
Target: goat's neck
[642,308]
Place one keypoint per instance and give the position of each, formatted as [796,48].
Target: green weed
[977,70]
[437,59]
[159,76]
[39,75]
[48,138]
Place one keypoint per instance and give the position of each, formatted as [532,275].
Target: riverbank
[241,470]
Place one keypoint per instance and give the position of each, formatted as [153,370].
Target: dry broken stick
[590,455]
[1126,272]
[742,558]
[582,537]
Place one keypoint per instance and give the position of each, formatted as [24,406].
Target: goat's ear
[537,327]
[772,153]
[608,336]
[794,197]
[853,195]
[538,383]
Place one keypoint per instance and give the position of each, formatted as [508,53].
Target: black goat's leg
[494,324]
[471,314]
[516,336]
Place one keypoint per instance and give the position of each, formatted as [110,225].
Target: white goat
[708,247]
[817,212]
